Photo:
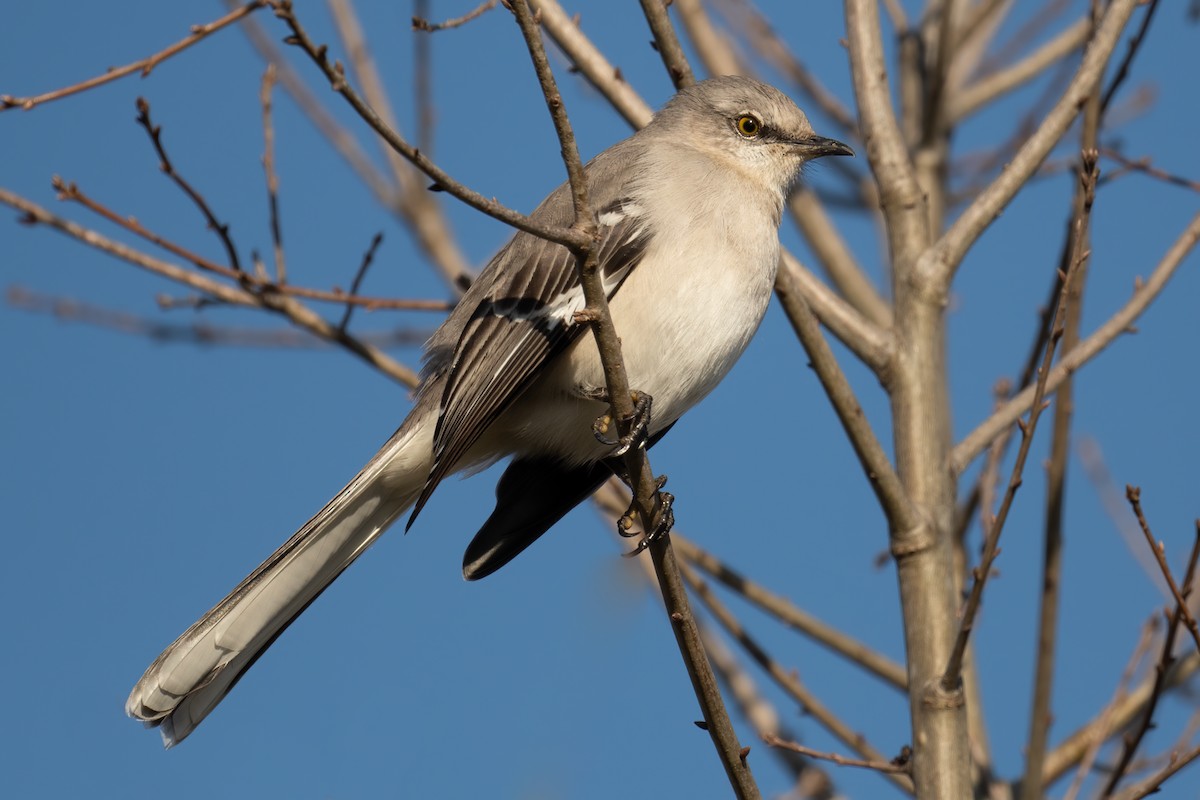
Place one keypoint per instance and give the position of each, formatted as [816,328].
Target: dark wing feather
[532,495]
[521,323]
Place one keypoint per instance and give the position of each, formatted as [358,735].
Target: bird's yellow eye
[748,126]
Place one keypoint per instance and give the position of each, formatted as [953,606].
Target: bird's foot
[639,424]
[663,516]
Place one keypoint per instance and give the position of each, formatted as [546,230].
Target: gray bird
[688,210]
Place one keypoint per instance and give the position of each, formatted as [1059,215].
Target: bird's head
[755,125]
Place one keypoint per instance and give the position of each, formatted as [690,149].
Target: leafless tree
[919,74]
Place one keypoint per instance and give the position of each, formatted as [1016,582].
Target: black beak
[818,146]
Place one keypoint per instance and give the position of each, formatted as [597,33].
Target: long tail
[191,676]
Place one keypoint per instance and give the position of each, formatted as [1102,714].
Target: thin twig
[998,83]
[1135,44]
[421,24]
[145,66]
[335,74]
[221,229]
[294,311]
[1161,672]
[1152,784]
[71,192]
[941,261]
[648,502]
[950,677]
[667,43]
[811,781]
[899,764]
[1145,292]
[1102,730]
[268,83]
[786,679]
[1134,495]
[780,607]
[1077,240]
[367,258]
[202,334]
[1144,166]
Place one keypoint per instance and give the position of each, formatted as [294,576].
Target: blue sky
[141,479]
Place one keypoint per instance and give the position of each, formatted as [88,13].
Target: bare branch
[144,66]
[71,192]
[1145,292]
[1162,671]
[843,645]
[999,83]
[1134,495]
[592,64]
[268,82]
[941,261]
[650,504]
[421,24]
[297,313]
[667,43]
[198,333]
[899,764]
[788,680]
[991,547]
[335,74]
[367,258]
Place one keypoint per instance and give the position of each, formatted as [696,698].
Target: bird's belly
[688,336]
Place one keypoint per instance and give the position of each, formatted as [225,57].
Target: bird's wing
[533,494]
[525,319]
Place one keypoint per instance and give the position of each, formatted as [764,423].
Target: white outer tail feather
[198,669]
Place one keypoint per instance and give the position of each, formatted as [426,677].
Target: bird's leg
[639,427]
[663,515]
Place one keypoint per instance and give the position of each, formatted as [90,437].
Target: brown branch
[221,229]
[786,679]
[1145,292]
[69,309]
[1000,82]
[667,43]
[901,198]
[1135,44]
[944,258]
[367,258]
[1103,728]
[268,83]
[1077,240]
[1134,495]
[71,192]
[1152,784]
[1114,717]
[294,311]
[809,778]
[1144,166]
[900,764]
[950,677]
[592,64]
[145,66]
[422,24]
[1161,671]
[650,505]
[786,612]
[335,74]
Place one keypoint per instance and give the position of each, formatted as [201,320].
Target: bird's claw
[639,429]
[663,513]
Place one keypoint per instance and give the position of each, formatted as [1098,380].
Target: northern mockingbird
[688,210]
